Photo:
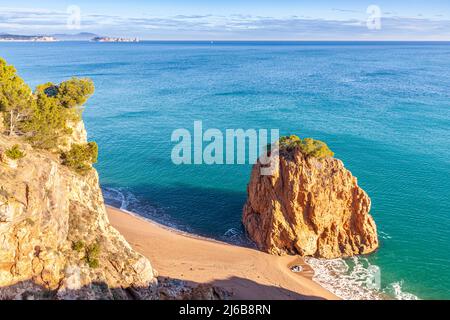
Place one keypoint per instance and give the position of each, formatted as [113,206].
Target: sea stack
[311,205]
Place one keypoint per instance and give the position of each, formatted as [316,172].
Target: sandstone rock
[78,136]
[310,207]
[174,289]
[55,237]
[2,124]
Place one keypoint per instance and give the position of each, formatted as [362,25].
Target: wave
[384,235]
[125,200]
[232,234]
[395,289]
[237,237]
[115,198]
[355,279]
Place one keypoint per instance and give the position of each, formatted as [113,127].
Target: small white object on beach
[296,269]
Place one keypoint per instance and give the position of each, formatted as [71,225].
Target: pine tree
[16,99]
[48,121]
[74,92]
[55,107]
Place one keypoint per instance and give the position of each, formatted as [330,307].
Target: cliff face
[311,207]
[55,237]
[78,136]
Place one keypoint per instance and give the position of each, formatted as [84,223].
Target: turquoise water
[383,108]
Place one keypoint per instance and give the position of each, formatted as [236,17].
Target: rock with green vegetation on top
[311,205]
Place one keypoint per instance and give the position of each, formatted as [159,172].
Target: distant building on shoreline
[114,39]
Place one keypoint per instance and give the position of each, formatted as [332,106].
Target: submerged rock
[310,207]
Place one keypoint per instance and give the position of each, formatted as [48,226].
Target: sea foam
[355,279]
[125,200]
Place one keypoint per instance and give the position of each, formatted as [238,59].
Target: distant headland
[12,37]
[114,39]
[83,36]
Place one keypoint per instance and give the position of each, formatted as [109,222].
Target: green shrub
[74,92]
[30,222]
[308,146]
[48,121]
[43,116]
[81,157]
[289,142]
[92,254]
[78,245]
[15,153]
[315,148]
[93,263]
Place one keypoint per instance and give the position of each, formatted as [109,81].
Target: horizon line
[248,40]
[264,40]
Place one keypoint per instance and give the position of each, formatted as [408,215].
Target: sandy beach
[247,273]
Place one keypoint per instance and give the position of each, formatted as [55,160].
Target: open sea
[384,108]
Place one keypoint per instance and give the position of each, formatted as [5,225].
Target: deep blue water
[384,108]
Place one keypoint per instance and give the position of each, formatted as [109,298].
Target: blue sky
[232,19]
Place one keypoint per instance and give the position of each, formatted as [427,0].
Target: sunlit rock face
[55,238]
[310,207]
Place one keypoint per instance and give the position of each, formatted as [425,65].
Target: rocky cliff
[311,207]
[55,238]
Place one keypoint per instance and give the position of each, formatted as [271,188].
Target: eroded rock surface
[311,207]
[55,238]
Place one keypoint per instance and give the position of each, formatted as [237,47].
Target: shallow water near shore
[383,108]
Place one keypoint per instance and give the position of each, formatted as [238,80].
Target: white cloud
[36,21]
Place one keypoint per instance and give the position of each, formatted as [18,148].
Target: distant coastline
[92,37]
[21,38]
[63,37]
[114,39]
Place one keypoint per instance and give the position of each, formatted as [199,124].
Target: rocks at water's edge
[311,207]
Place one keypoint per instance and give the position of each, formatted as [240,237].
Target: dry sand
[247,273]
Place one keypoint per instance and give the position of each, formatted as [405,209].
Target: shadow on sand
[233,288]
